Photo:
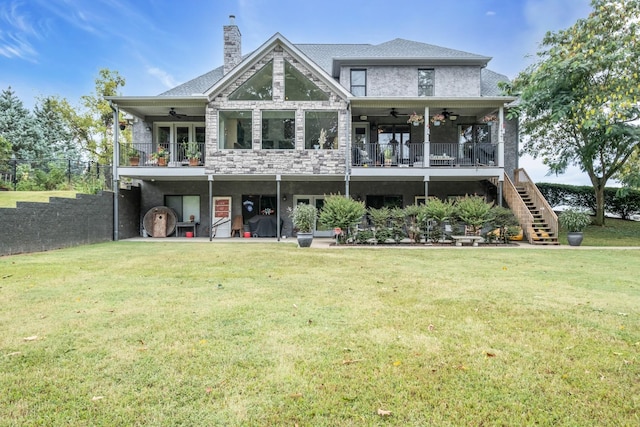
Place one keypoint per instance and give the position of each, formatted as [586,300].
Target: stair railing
[522,180]
[518,207]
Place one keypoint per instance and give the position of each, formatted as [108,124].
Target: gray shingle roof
[324,55]
[489,82]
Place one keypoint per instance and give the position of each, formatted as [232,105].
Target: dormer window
[359,82]
[425,81]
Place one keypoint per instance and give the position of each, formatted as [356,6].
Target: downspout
[114,171]
[347,156]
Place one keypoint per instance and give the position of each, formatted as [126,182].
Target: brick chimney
[232,44]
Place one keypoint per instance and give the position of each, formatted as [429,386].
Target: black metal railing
[153,154]
[412,154]
[54,174]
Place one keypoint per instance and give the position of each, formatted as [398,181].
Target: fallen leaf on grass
[208,390]
[31,338]
[96,398]
[384,413]
[15,353]
[397,363]
[431,327]
[350,361]
[490,354]
[295,395]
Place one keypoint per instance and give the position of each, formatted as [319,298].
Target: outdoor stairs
[542,234]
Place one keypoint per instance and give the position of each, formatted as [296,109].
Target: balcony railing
[412,154]
[147,154]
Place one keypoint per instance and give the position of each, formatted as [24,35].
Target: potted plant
[304,217]
[388,155]
[574,221]
[132,154]
[436,119]
[160,156]
[490,119]
[416,119]
[192,153]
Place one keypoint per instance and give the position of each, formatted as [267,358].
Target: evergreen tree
[50,118]
[19,128]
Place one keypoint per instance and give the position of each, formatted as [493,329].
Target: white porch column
[278,198]
[501,128]
[427,139]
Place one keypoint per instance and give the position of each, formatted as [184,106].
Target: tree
[92,129]
[578,104]
[17,126]
[50,117]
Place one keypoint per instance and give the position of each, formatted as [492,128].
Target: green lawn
[8,199]
[164,333]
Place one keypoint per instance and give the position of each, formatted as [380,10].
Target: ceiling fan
[449,114]
[175,114]
[393,113]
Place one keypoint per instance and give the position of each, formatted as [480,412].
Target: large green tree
[579,102]
[18,127]
[92,125]
[55,130]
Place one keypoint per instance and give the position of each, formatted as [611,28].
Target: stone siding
[259,161]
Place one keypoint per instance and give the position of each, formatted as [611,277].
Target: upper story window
[258,87]
[425,81]
[278,130]
[359,82]
[297,87]
[321,130]
[235,130]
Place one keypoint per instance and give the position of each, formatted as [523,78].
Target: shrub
[341,212]
[304,217]
[574,220]
[474,211]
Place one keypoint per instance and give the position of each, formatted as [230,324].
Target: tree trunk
[599,189]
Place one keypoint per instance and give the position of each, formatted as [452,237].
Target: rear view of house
[388,124]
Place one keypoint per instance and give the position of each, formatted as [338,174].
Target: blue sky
[56,47]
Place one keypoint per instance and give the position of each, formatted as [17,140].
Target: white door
[221,224]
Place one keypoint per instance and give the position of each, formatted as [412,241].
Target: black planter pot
[575,238]
[304,239]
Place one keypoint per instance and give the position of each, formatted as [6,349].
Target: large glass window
[234,130]
[321,130]
[359,82]
[278,130]
[425,81]
[184,207]
[297,87]
[257,88]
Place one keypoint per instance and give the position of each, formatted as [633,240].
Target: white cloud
[165,78]
[18,29]
[490,13]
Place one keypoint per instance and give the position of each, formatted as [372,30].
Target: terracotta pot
[194,162]
[162,161]
[134,161]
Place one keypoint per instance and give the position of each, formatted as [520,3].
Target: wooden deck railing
[549,216]
[518,207]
